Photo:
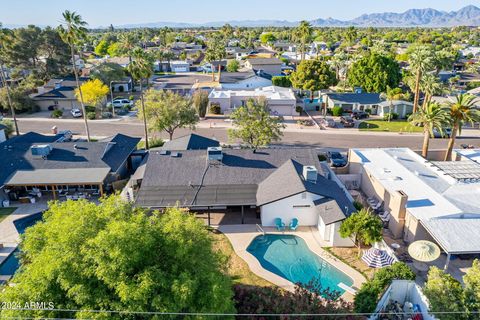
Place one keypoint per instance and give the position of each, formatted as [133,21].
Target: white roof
[270,92]
[58,176]
[472,154]
[446,207]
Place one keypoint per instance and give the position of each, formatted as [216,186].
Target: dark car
[360,115]
[347,121]
[336,159]
[445,133]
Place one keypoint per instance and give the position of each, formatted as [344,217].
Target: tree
[362,227]
[313,75]
[233,65]
[16,99]
[168,111]
[113,256]
[108,72]
[114,49]
[374,73]
[282,81]
[9,126]
[7,103]
[72,31]
[432,117]
[267,38]
[472,288]
[302,34]
[421,60]
[102,48]
[22,48]
[94,92]
[200,102]
[254,125]
[392,95]
[141,68]
[429,85]
[461,111]
[215,53]
[445,294]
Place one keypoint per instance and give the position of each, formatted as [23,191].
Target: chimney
[310,174]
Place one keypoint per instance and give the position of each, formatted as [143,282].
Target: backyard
[5,212]
[351,258]
[386,126]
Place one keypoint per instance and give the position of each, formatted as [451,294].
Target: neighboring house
[3,133]
[237,52]
[353,101]
[58,94]
[124,85]
[276,183]
[179,66]
[427,200]
[466,77]
[281,101]
[400,107]
[51,164]
[271,66]
[244,80]
[190,142]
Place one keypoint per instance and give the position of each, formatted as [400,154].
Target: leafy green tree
[114,49]
[313,75]
[200,102]
[374,73]
[16,98]
[22,48]
[113,256]
[254,125]
[168,111]
[282,81]
[302,34]
[363,227]
[268,38]
[445,294]
[233,66]
[102,48]
[108,72]
[461,111]
[432,117]
[9,126]
[472,288]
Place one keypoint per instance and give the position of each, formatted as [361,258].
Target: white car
[120,103]
[76,113]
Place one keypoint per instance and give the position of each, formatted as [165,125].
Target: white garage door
[281,110]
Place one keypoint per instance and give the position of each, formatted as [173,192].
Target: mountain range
[467,16]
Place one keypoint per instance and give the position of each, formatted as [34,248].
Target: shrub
[357,205]
[281,81]
[393,117]
[89,109]
[408,115]
[233,65]
[91,115]
[131,97]
[215,109]
[337,111]
[10,126]
[368,110]
[299,109]
[107,115]
[322,157]
[57,114]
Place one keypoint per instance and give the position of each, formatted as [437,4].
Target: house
[271,66]
[427,200]
[272,183]
[400,107]
[353,101]
[466,77]
[124,85]
[179,66]
[190,142]
[3,133]
[58,94]
[54,163]
[281,101]
[237,52]
[244,80]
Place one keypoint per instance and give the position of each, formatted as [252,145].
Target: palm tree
[421,60]
[141,68]
[432,117]
[392,95]
[215,52]
[429,85]
[72,30]
[461,111]
[303,34]
[3,79]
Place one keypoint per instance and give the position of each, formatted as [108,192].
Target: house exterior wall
[336,239]
[298,206]
[401,109]
[280,107]
[61,104]
[251,83]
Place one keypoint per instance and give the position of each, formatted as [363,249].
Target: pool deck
[241,236]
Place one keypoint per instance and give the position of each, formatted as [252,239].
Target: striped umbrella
[376,258]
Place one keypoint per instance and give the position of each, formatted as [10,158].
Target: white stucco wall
[3,136]
[330,233]
[284,209]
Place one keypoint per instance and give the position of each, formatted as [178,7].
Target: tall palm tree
[432,117]
[215,52]
[461,111]
[72,30]
[429,85]
[3,80]
[303,34]
[141,68]
[421,61]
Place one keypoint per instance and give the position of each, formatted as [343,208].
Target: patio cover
[58,177]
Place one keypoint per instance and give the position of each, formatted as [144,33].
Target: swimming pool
[289,257]
[11,264]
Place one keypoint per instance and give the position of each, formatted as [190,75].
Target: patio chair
[293,224]
[279,224]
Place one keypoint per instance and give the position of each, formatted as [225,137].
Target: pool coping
[240,236]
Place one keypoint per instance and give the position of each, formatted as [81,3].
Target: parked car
[360,115]
[347,121]
[76,113]
[120,103]
[446,133]
[335,159]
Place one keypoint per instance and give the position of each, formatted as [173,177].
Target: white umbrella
[424,251]
[376,258]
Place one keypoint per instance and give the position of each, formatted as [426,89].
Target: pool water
[11,264]
[289,257]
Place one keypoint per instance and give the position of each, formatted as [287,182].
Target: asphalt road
[310,138]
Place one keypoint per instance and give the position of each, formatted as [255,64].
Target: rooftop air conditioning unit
[41,150]
[214,154]
[310,173]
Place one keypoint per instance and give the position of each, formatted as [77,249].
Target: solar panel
[464,171]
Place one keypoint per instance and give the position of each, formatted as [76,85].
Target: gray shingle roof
[329,210]
[361,98]
[190,142]
[234,77]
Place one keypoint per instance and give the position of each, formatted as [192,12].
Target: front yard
[385,126]
[5,212]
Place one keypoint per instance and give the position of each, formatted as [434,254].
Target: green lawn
[385,126]
[4,212]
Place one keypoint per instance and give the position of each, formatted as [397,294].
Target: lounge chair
[293,224]
[279,224]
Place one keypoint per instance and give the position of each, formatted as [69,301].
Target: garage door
[180,69]
[281,110]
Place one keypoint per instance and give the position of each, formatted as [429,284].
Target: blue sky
[117,12]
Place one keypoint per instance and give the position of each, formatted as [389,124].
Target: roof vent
[175,155]
[41,150]
[163,152]
[214,154]
[310,173]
